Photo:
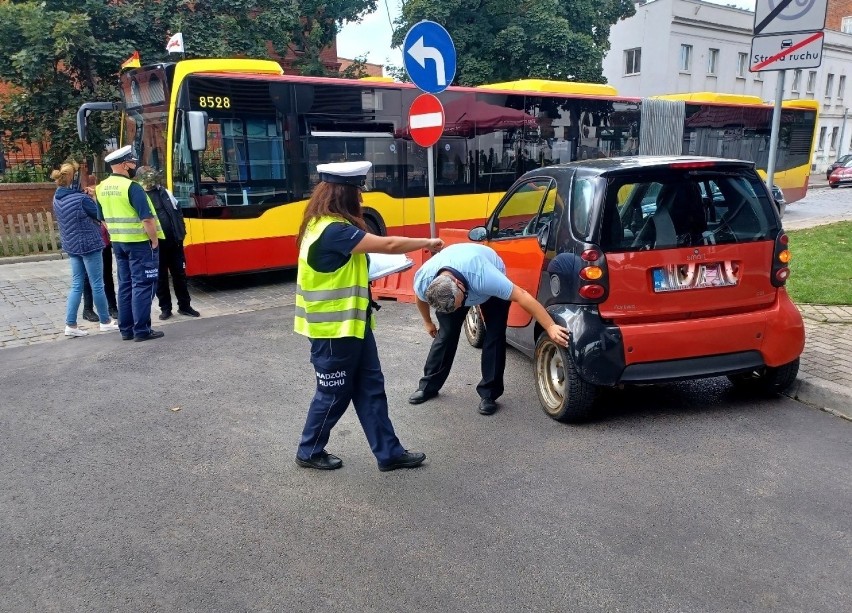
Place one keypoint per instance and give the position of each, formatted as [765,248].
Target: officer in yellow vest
[334,310]
[135,232]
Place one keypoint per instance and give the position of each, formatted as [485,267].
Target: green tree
[504,40]
[55,55]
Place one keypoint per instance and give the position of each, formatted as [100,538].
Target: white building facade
[679,46]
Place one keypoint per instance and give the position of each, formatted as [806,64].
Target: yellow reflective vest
[121,218]
[331,304]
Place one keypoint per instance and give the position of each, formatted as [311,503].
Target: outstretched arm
[557,333]
[372,243]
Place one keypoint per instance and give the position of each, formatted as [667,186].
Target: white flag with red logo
[175,44]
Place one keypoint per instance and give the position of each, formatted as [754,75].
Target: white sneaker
[109,326]
[69,331]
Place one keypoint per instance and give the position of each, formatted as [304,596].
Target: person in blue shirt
[452,281]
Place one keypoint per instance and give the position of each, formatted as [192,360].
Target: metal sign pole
[430,169]
[776,124]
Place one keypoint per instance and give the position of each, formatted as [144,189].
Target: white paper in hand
[383,264]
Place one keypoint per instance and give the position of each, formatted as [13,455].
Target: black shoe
[421,396]
[90,315]
[321,461]
[164,315]
[151,335]
[113,312]
[409,459]
[189,312]
[127,337]
[487,406]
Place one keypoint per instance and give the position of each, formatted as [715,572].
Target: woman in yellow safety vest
[334,310]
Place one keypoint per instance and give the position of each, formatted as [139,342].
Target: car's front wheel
[564,396]
[769,380]
[474,327]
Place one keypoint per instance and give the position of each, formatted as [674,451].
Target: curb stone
[40,257]
[822,394]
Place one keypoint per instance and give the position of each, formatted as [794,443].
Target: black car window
[582,203]
[681,209]
[516,216]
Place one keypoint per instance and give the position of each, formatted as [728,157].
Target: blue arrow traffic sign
[429,56]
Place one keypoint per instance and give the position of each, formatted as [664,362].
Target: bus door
[514,231]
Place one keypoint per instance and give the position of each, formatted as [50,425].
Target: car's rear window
[663,210]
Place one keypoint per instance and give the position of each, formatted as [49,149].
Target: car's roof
[640,162]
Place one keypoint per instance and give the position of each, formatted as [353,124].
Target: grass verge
[821,269]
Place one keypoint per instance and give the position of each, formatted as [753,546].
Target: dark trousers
[109,286]
[138,267]
[348,370]
[172,261]
[495,313]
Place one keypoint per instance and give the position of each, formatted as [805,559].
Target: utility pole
[842,133]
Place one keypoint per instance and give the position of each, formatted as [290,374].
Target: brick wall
[25,198]
[837,10]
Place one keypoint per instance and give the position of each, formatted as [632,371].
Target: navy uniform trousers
[495,313]
[348,370]
[138,269]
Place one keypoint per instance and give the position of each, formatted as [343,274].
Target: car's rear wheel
[833,185]
[564,396]
[767,380]
[474,327]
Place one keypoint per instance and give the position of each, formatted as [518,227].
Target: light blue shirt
[482,268]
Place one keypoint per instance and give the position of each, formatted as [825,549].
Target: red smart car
[663,269]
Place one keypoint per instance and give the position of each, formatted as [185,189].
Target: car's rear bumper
[610,354]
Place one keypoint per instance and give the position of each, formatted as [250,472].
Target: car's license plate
[676,277]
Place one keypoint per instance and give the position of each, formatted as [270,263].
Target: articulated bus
[239,143]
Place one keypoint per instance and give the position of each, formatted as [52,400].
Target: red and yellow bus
[244,188]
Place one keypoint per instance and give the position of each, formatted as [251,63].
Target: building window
[821,141]
[685,58]
[712,61]
[846,25]
[833,137]
[829,85]
[758,76]
[797,80]
[632,61]
[742,64]
[811,81]
[841,86]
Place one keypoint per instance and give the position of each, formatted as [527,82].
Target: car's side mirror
[478,234]
[543,235]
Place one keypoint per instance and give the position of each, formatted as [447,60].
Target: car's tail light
[781,257]
[688,165]
[593,274]
[592,291]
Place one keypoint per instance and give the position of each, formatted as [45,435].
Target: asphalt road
[680,498]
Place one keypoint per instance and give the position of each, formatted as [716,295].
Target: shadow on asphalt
[244,280]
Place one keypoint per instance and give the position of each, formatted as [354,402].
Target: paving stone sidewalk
[33,293]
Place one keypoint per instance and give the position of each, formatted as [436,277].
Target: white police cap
[125,154]
[347,173]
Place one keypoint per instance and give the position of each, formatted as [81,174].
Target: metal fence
[29,233]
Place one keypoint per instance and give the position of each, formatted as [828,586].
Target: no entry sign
[426,120]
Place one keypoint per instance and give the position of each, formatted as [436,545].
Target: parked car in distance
[690,285]
[842,175]
[780,201]
[843,159]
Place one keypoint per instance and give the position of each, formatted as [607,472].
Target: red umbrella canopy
[468,115]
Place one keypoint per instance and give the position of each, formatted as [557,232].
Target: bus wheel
[564,396]
[374,223]
[474,328]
